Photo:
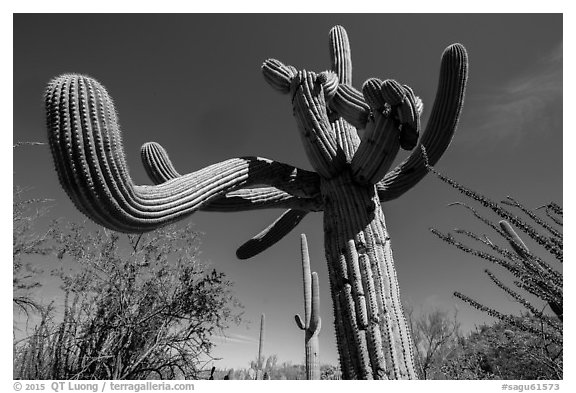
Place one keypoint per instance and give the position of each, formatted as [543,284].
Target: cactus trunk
[372,334]
[312,356]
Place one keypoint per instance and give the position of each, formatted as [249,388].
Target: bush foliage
[133,308]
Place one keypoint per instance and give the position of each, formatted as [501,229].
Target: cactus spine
[312,321]
[349,183]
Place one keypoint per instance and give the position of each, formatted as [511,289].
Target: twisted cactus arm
[394,123]
[261,198]
[160,169]
[316,132]
[440,128]
[352,106]
[272,234]
[86,145]
[348,102]
[325,155]
[445,113]
[278,75]
[312,322]
[381,141]
[341,65]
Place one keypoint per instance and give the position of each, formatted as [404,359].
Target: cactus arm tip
[86,145]
[340,54]
[278,75]
[440,128]
[271,234]
[299,322]
[157,163]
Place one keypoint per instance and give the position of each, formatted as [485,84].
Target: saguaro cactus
[350,181]
[261,343]
[257,367]
[312,321]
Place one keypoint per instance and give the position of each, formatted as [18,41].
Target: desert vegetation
[143,306]
[130,307]
[525,346]
[137,303]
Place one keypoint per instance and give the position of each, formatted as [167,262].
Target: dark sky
[193,83]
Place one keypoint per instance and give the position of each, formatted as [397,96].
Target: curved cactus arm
[381,141]
[340,54]
[262,198]
[157,163]
[160,169]
[317,134]
[278,75]
[338,93]
[299,322]
[85,142]
[346,99]
[314,324]
[348,102]
[272,234]
[394,123]
[440,128]
[408,112]
[309,104]
[307,279]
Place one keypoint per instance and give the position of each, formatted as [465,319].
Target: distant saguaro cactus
[261,343]
[257,368]
[312,321]
[349,183]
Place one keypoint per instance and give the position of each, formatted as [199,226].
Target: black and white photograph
[287,196]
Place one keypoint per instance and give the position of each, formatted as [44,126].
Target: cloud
[529,103]
[236,338]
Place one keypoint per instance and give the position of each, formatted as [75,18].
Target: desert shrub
[134,307]
[435,334]
[538,279]
[501,351]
